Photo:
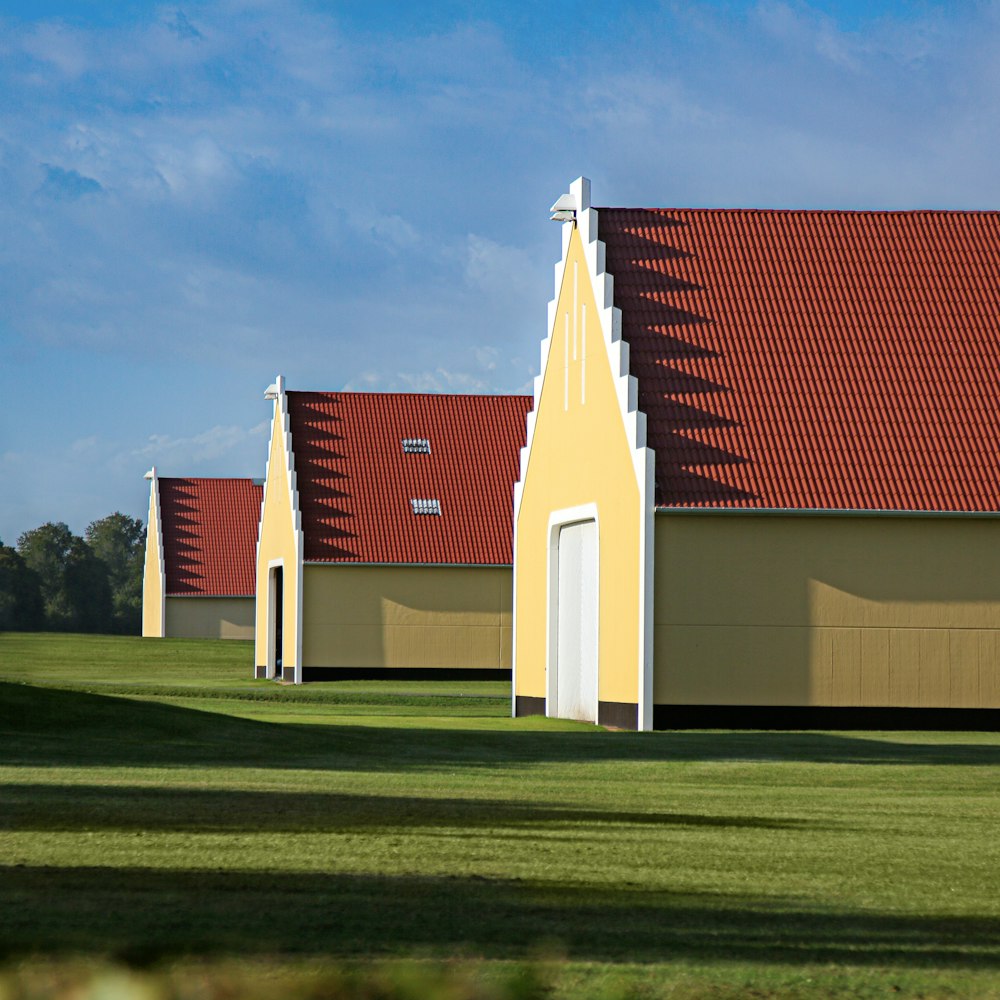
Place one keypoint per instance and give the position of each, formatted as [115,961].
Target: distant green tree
[21,605]
[75,587]
[45,551]
[119,541]
[88,589]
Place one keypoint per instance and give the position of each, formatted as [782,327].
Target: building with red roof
[199,574]
[385,536]
[761,482]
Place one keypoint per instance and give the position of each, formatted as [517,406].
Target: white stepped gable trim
[161,556]
[154,491]
[281,423]
[610,318]
[633,419]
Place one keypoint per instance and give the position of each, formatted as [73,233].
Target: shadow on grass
[73,808]
[51,727]
[143,915]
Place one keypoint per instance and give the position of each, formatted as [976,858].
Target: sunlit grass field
[169,818]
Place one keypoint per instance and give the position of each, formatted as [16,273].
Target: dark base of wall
[259,672]
[525,705]
[288,675]
[620,714]
[822,717]
[401,673]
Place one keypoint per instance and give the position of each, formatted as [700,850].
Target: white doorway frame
[559,519]
[272,565]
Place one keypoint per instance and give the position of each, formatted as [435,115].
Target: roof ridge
[207,479]
[801,211]
[408,395]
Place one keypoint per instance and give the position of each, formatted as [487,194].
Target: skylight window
[416,446]
[426,506]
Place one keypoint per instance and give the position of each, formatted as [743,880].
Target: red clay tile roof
[808,359]
[210,536]
[356,482]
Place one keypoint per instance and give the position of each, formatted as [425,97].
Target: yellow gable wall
[580,454]
[277,541]
[152,573]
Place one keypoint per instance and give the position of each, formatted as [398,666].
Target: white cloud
[206,446]
[497,269]
[486,357]
[58,46]
[474,371]
[85,445]
[196,168]
[441,380]
[434,380]
[386,229]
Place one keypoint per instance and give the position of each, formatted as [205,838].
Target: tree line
[53,580]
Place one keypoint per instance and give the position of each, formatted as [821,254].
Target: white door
[576,622]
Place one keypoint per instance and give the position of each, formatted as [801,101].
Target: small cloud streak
[207,446]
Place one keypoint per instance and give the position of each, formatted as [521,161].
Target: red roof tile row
[356,483]
[812,359]
[210,536]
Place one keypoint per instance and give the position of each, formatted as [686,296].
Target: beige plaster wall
[406,616]
[210,617]
[840,611]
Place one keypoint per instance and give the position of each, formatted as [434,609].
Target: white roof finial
[569,206]
[564,209]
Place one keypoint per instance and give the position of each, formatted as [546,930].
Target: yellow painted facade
[580,454]
[834,611]
[153,571]
[279,543]
[210,617]
[724,608]
[406,617]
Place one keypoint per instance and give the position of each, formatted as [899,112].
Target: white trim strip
[576,299]
[609,317]
[154,487]
[566,363]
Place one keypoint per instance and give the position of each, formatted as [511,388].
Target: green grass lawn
[161,809]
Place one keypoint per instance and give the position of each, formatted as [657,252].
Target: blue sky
[198,196]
